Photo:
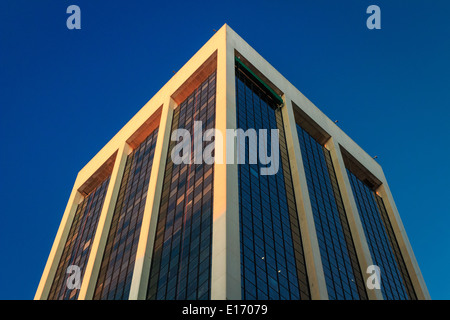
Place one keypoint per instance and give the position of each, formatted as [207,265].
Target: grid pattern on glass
[398,255]
[272,260]
[181,260]
[343,276]
[392,283]
[79,241]
[116,270]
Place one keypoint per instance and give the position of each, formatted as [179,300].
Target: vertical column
[225,268]
[409,258]
[351,210]
[144,251]
[101,235]
[58,245]
[314,267]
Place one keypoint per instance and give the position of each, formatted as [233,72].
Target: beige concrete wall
[225,268]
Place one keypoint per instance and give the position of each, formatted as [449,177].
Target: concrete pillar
[225,268]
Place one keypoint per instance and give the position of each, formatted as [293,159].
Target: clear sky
[65,93]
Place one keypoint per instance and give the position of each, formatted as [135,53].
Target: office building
[140,226]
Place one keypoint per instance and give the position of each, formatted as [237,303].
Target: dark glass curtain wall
[340,263]
[272,260]
[395,281]
[78,244]
[181,260]
[116,270]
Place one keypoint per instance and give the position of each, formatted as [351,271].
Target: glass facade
[340,263]
[79,241]
[116,270]
[181,260]
[272,259]
[395,281]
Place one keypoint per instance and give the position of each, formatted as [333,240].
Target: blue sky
[65,93]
